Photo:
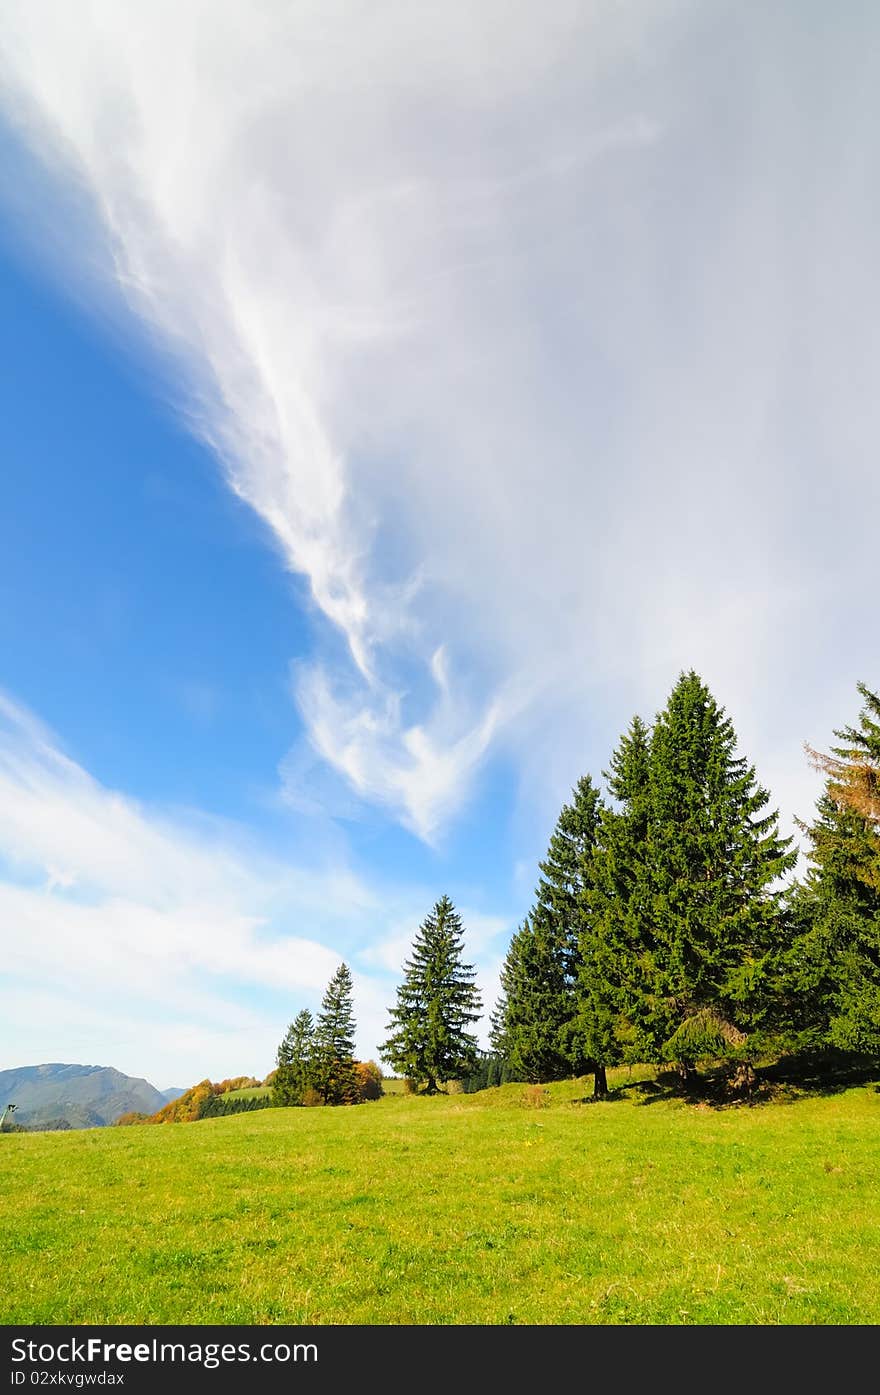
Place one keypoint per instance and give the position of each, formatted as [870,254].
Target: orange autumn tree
[834,960]
[852,773]
[369,1078]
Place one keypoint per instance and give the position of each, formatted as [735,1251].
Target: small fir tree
[437,1002]
[334,1073]
[295,1061]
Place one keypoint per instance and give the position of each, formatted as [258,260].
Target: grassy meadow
[509,1206]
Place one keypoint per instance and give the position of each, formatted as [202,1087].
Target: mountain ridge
[62,1094]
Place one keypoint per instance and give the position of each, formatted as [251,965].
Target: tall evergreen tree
[295,1061]
[714,907]
[835,960]
[615,926]
[531,1026]
[566,883]
[535,1022]
[334,1069]
[437,1002]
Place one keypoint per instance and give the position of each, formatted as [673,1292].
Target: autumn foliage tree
[851,797]
[834,964]
[369,1078]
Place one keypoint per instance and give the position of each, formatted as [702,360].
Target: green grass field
[393,1086]
[453,1210]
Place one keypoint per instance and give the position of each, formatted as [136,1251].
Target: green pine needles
[437,1002]
[315,1061]
[711,902]
[535,1026]
[295,1061]
[661,918]
[334,1069]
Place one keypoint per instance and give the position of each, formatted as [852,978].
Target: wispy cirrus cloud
[286,231]
[538,337]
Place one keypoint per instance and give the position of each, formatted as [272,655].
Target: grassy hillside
[456,1209]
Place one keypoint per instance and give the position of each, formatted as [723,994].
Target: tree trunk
[744,1078]
[431,1087]
[600,1083]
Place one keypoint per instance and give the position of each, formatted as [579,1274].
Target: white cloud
[151,923]
[541,338]
[422,770]
[169,945]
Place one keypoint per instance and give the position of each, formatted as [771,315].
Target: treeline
[666,926]
[207,1100]
[490,1069]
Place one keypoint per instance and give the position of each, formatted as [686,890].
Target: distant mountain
[77,1097]
[173,1094]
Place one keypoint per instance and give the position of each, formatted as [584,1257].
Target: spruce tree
[566,882]
[334,1070]
[714,857]
[437,1002]
[295,1061]
[615,927]
[532,1021]
[535,1025]
[835,962]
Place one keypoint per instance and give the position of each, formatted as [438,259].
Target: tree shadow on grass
[823,1073]
[791,1078]
[621,1093]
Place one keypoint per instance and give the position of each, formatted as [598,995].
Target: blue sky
[390,411]
[152,629]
